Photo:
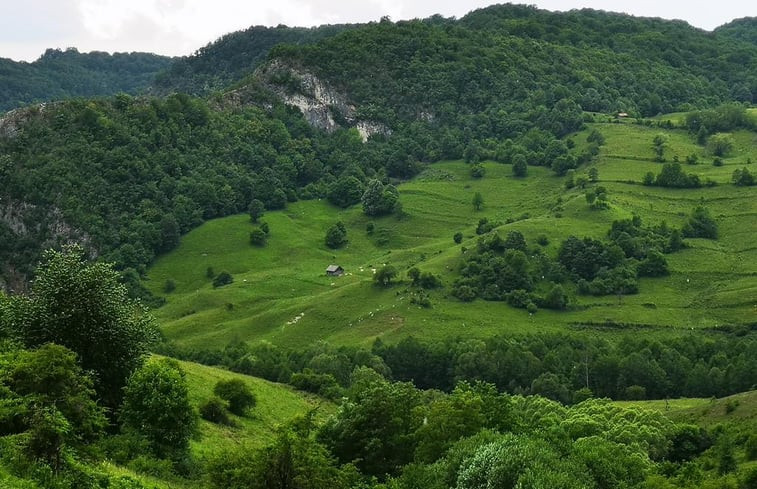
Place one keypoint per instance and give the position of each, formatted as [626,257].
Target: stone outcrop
[321,104]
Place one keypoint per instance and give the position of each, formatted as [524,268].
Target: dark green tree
[520,167]
[478,201]
[223,278]
[336,236]
[83,306]
[156,406]
[237,393]
[256,210]
[258,237]
[385,275]
[345,191]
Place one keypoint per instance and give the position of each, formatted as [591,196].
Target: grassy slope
[713,282]
[277,404]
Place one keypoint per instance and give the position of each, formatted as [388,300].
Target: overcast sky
[179,27]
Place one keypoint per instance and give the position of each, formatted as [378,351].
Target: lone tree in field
[336,236]
[85,307]
[256,210]
[385,275]
[659,143]
[478,201]
[237,394]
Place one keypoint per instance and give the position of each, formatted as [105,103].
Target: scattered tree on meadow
[478,201]
[385,275]
[237,394]
[223,278]
[336,236]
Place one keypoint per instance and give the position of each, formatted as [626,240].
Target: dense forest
[65,74]
[232,57]
[106,183]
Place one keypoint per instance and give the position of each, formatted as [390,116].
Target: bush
[223,278]
[385,275]
[700,225]
[458,238]
[542,240]
[336,236]
[477,171]
[257,237]
[237,393]
[169,286]
[214,410]
[430,281]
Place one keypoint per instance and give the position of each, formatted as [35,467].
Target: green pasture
[281,293]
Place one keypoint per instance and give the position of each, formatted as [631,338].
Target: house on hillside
[622,115]
[334,271]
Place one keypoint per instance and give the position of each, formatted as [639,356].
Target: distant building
[335,271]
[622,114]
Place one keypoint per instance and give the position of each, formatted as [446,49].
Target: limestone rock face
[322,105]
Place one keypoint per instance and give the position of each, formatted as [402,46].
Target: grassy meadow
[281,293]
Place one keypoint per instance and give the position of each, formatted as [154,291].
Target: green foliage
[293,460]
[374,428]
[214,410]
[673,176]
[345,191]
[223,278]
[385,275]
[478,201]
[379,199]
[58,75]
[83,306]
[237,394]
[256,210]
[169,286]
[477,171]
[659,143]
[743,178]
[156,406]
[520,168]
[457,237]
[258,237]
[700,225]
[720,144]
[47,397]
[336,236]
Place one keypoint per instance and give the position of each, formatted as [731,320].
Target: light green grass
[712,282]
[277,404]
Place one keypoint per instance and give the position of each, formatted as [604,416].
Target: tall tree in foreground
[156,406]
[83,306]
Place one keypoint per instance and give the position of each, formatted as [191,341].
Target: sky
[180,27]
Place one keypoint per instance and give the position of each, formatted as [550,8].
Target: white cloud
[178,27]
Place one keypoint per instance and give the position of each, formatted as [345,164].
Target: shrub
[542,240]
[169,286]
[237,393]
[336,236]
[477,171]
[458,238]
[214,410]
[223,278]
[257,237]
[385,275]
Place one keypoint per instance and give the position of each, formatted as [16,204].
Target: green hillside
[280,292]
[65,74]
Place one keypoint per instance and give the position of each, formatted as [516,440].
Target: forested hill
[128,175]
[744,29]
[63,74]
[232,57]
[504,66]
